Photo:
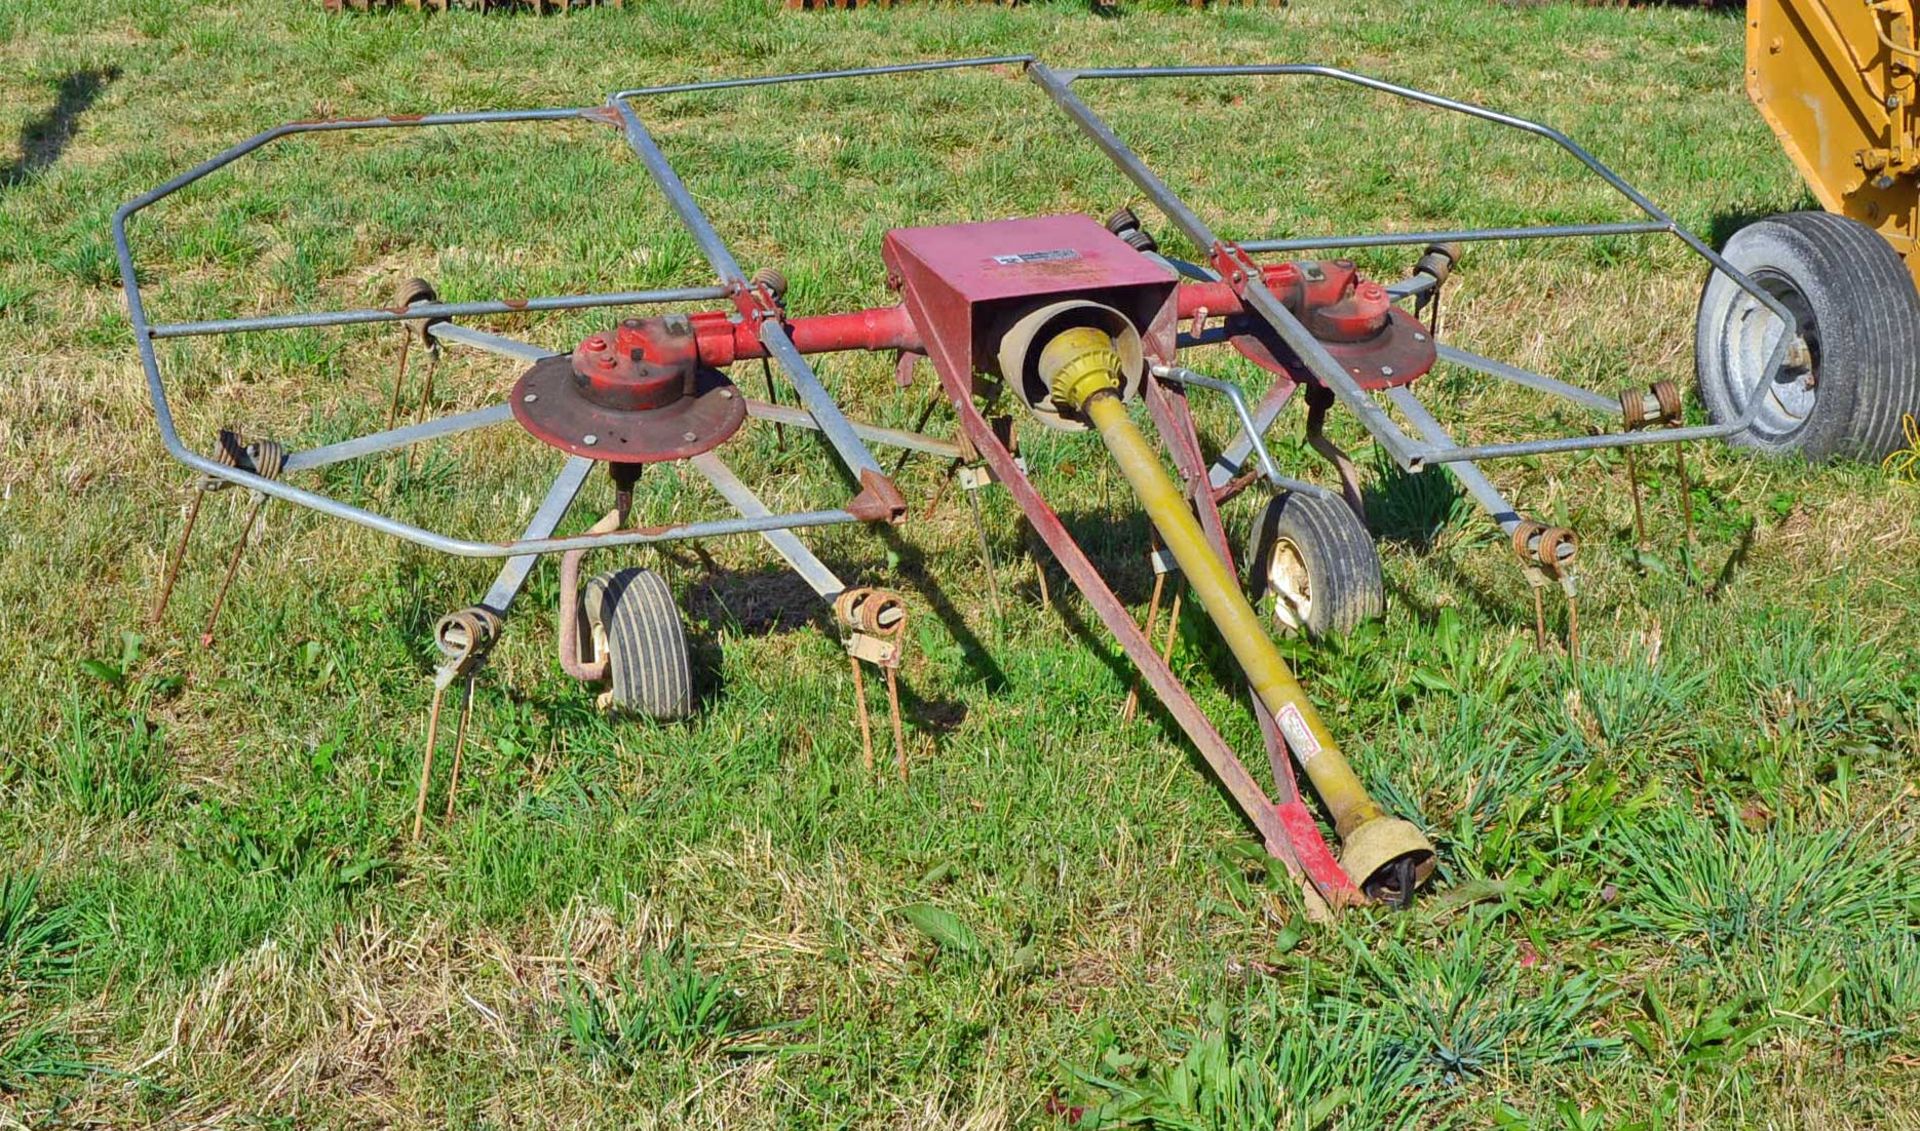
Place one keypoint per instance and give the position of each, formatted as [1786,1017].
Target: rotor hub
[634,394]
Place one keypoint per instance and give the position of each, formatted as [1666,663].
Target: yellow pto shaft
[1382,854]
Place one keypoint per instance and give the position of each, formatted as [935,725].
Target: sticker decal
[1036,257]
[1298,734]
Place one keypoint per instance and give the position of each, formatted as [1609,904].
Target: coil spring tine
[400,374]
[1132,705]
[1686,494]
[920,425]
[233,568]
[773,397]
[877,620]
[426,762]
[460,745]
[1034,547]
[1633,483]
[174,559]
[426,384]
[266,459]
[464,637]
[1173,628]
[899,734]
[986,559]
[860,707]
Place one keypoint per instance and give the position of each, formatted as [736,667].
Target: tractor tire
[647,656]
[1313,559]
[1856,369]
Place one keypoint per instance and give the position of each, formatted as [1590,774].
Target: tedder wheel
[634,614]
[1315,559]
[1855,366]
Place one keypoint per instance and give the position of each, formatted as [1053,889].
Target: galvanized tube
[815,76]
[795,552]
[1586,398]
[872,433]
[1462,235]
[398,437]
[1328,371]
[826,412]
[813,395]
[1409,454]
[513,574]
[1477,484]
[491,343]
[678,197]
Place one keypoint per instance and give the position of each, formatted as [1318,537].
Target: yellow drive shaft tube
[1385,856]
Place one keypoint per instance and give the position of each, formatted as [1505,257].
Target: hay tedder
[1063,320]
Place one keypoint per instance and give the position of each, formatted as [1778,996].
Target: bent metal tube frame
[1032,288]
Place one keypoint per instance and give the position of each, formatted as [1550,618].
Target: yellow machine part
[1836,81]
[1083,368]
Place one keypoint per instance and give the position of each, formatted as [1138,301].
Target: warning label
[1298,734]
[1036,256]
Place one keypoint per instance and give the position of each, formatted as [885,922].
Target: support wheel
[1315,561]
[634,618]
[1854,366]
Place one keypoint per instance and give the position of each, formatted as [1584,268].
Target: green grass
[1676,883]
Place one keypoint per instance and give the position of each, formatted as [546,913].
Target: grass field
[1679,885]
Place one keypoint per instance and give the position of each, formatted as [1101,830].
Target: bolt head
[1386,371]
[589,439]
[531,397]
[689,437]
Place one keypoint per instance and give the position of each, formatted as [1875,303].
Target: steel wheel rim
[1288,581]
[1749,332]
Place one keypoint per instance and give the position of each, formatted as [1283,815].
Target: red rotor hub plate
[635,394]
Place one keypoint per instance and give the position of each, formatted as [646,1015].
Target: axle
[1336,304]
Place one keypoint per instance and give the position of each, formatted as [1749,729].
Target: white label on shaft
[1299,735]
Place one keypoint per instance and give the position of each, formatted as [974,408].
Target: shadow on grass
[1721,226]
[44,138]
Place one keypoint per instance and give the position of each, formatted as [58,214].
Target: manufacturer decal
[1036,257]
[1298,734]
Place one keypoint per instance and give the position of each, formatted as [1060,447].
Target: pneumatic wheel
[1852,369]
[633,614]
[1312,558]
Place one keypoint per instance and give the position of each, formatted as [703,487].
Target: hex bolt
[589,439]
[531,397]
[1386,371]
[689,437]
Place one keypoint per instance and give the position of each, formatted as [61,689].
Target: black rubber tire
[647,656]
[1860,318]
[1343,587]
